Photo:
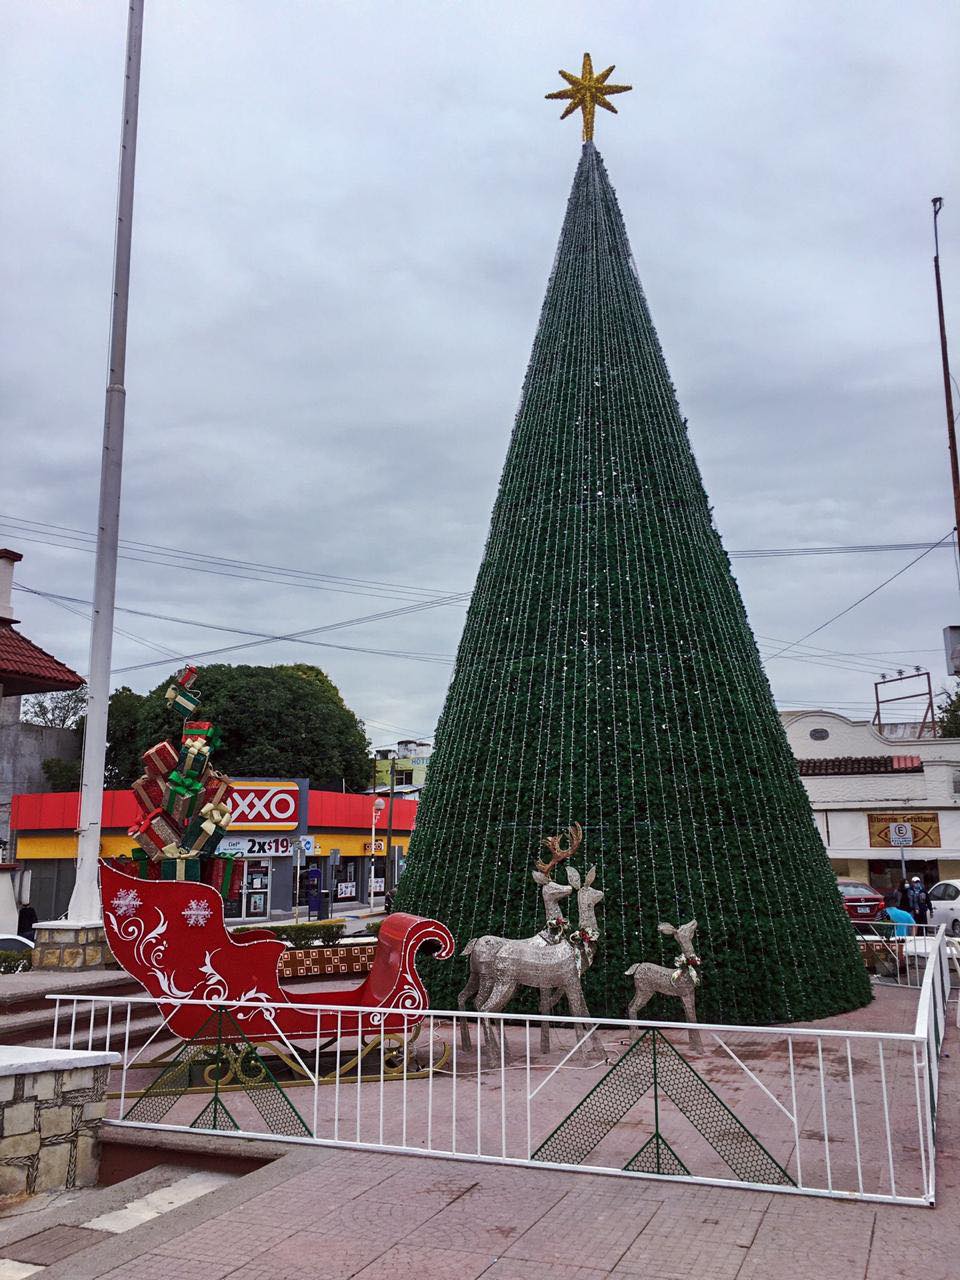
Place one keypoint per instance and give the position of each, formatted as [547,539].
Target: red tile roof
[26,668]
[844,766]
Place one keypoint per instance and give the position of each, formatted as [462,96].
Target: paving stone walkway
[322,1213]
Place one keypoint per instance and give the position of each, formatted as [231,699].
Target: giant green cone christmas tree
[607,675]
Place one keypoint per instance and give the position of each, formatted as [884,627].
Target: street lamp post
[378,807]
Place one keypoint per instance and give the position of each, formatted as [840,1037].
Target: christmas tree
[607,675]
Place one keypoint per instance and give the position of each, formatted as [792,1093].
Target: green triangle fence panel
[218,1054]
[607,674]
[652,1062]
[657,1156]
[604,1106]
[215,1116]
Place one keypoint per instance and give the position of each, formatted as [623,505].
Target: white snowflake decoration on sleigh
[125,902]
[196,913]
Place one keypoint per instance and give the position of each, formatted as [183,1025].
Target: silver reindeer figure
[681,981]
[500,965]
[481,979]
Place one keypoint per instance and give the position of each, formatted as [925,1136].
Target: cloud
[345,220]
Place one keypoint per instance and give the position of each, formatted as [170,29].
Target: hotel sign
[904,830]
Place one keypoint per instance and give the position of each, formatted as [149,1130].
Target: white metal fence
[897,954]
[798,1110]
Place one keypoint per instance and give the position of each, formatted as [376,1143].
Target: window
[404,778]
[956,782]
[819,735]
[945,893]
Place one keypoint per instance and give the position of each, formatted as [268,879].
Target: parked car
[13,942]
[21,946]
[861,902]
[945,905]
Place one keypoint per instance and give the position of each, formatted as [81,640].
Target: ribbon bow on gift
[218,813]
[182,784]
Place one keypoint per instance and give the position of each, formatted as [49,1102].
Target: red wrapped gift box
[149,792]
[159,760]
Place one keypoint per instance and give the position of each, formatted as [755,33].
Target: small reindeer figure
[681,981]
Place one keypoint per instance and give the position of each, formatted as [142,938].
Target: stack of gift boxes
[184,803]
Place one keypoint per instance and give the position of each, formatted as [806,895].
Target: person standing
[902,895]
[919,901]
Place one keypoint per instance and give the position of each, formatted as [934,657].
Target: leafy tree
[948,712]
[122,764]
[61,775]
[282,721]
[60,710]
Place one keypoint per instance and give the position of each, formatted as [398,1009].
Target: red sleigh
[170,936]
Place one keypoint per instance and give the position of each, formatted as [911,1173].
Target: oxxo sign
[266,806]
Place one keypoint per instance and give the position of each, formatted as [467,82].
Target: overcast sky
[345,218]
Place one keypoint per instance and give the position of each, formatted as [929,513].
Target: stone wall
[61,946]
[51,1106]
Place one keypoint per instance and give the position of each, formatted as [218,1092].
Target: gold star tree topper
[587,92]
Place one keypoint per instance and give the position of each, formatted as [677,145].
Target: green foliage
[277,722]
[948,712]
[607,674]
[122,765]
[324,933]
[61,775]
[373,927]
[15,961]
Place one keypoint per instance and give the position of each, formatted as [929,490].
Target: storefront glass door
[256,890]
[253,900]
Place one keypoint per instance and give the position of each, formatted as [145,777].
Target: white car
[945,905]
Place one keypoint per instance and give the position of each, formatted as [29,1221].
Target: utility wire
[793,644]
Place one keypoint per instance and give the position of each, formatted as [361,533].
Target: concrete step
[37,1232]
[20,992]
[36,1027]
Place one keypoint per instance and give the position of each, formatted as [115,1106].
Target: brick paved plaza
[320,1213]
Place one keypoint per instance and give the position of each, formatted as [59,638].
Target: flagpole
[85,900]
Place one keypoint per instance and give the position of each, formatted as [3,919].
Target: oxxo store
[266,832]
[281,830]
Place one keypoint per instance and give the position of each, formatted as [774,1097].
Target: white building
[881,801]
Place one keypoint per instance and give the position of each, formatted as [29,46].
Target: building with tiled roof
[883,807]
[25,668]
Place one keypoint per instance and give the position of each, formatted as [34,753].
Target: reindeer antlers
[558,852]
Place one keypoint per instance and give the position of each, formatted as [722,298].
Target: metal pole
[389,877]
[937,203]
[85,901]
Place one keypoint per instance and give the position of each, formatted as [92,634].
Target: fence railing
[897,954]
[793,1109]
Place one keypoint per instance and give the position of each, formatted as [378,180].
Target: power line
[873,592]
[260,636]
[49,534]
[219,566]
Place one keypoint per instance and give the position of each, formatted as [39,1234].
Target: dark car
[861,902]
